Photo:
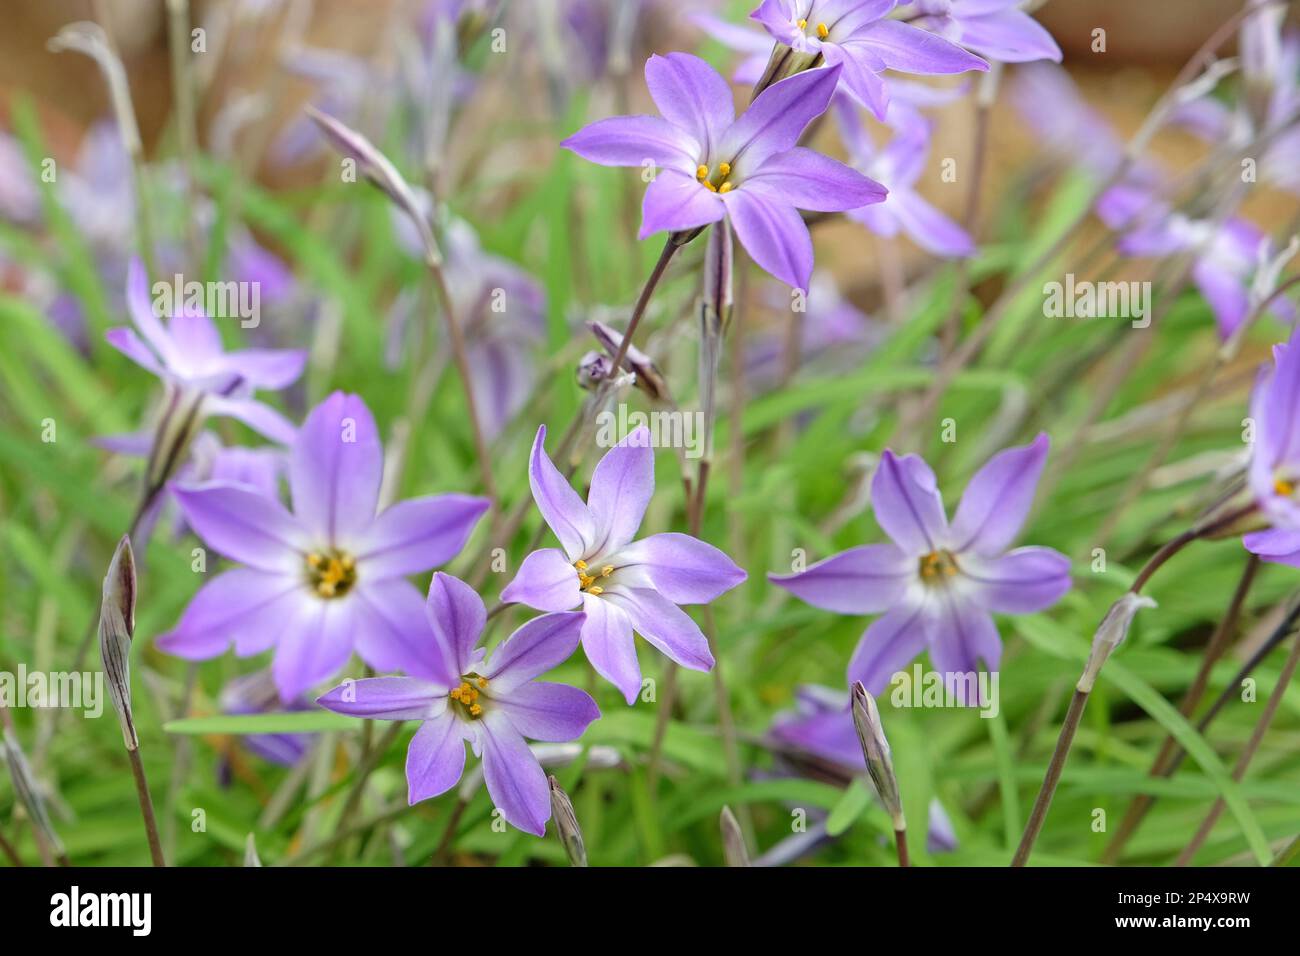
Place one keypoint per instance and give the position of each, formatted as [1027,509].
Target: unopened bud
[875,750]
[594,368]
[116,628]
[648,377]
[566,825]
[733,840]
[27,792]
[1110,634]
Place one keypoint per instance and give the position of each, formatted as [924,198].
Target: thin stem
[1043,801]
[643,300]
[10,852]
[365,769]
[443,853]
[900,845]
[178,23]
[146,807]
[1248,754]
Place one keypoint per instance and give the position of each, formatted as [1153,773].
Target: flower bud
[566,825]
[594,368]
[648,377]
[875,750]
[116,628]
[27,793]
[1110,634]
[733,840]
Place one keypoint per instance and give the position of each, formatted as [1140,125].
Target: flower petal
[962,635]
[888,645]
[675,201]
[552,712]
[691,95]
[683,569]
[1019,582]
[546,580]
[773,233]
[634,141]
[335,469]
[139,306]
[393,633]
[995,503]
[267,368]
[664,625]
[806,179]
[908,49]
[777,118]
[313,645]
[907,504]
[863,580]
[514,778]
[1011,36]
[262,418]
[418,534]
[559,504]
[457,615]
[927,226]
[243,525]
[129,344]
[621,486]
[608,643]
[435,759]
[386,698]
[533,649]
[241,604]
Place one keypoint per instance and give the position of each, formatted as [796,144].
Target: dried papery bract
[1111,632]
[880,762]
[648,377]
[566,825]
[116,629]
[733,839]
[29,795]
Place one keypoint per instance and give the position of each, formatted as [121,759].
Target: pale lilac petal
[998,498]
[559,504]
[905,499]
[129,344]
[683,569]
[888,645]
[608,643]
[532,650]
[196,342]
[1225,292]
[777,118]
[863,580]
[313,645]
[393,633]
[386,698]
[457,615]
[691,95]
[418,534]
[675,201]
[335,469]
[435,759]
[240,604]
[621,486]
[1019,582]
[664,625]
[927,226]
[962,636]
[243,525]
[773,233]
[1011,36]
[1278,545]
[139,305]
[514,778]
[808,180]
[263,419]
[552,712]
[860,73]
[268,368]
[546,580]
[634,141]
[908,49]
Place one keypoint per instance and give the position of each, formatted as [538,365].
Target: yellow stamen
[1284,488]
[702,173]
[596,590]
[314,559]
[710,187]
[607,570]
[482,682]
[580,565]
[803,24]
[823,31]
[475,710]
[726,188]
[724,168]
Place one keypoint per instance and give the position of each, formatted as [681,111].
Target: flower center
[465,698]
[715,182]
[1284,488]
[587,581]
[332,574]
[823,31]
[936,566]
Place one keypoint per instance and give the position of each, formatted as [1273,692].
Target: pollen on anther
[803,24]
[597,590]
[724,168]
[702,172]
[823,31]
[725,188]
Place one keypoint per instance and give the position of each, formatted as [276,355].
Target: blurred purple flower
[857,35]
[711,165]
[997,29]
[897,167]
[623,585]
[938,582]
[255,693]
[328,578]
[492,704]
[187,355]
[1274,472]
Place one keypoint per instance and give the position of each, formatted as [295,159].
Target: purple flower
[898,166]
[622,584]
[997,29]
[711,165]
[938,581]
[856,35]
[255,693]
[328,578]
[187,354]
[1274,472]
[822,725]
[492,704]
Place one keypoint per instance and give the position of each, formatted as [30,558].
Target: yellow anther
[823,31]
[475,710]
[702,172]
[482,682]
[1283,488]
[724,168]
[726,188]
[803,24]
[710,187]
[607,570]
[580,565]
[314,559]
[596,590]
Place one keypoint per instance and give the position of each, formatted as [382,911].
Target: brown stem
[900,845]
[443,852]
[643,300]
[1043,801]
[146,807]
